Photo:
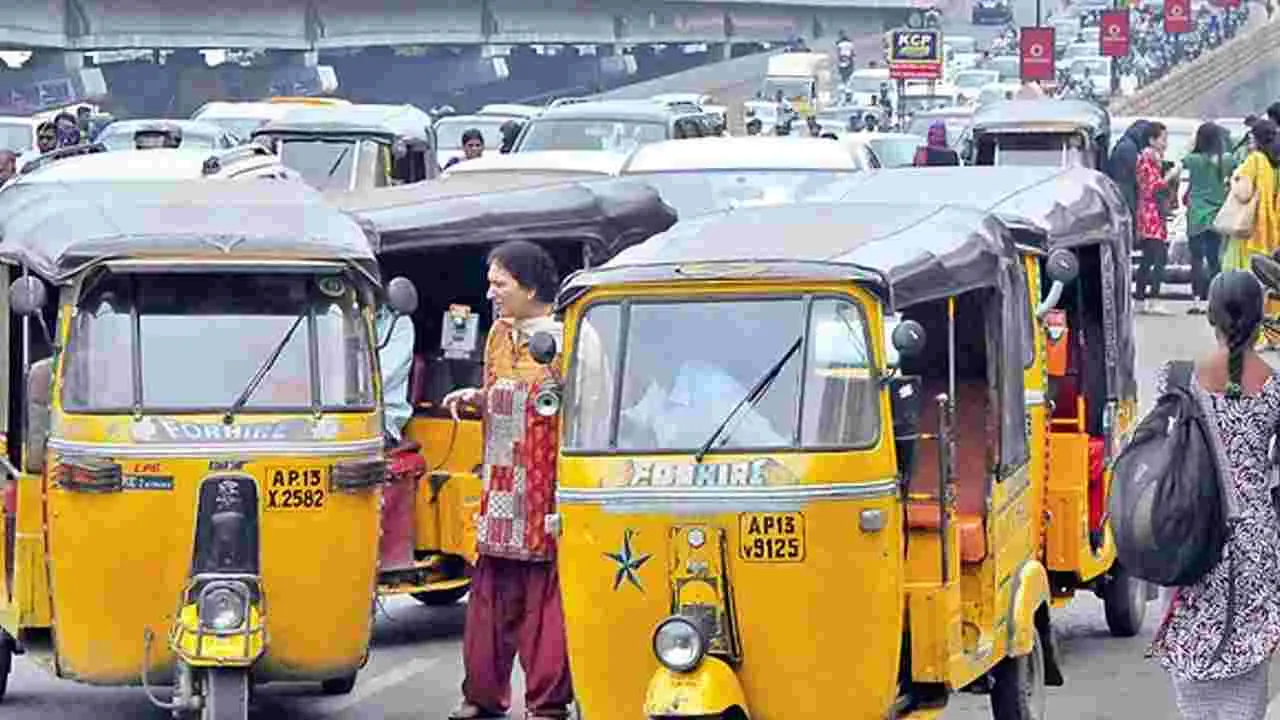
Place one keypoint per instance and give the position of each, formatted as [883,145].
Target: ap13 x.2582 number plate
[771,537]
[295,488]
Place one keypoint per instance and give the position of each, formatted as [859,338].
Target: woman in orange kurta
[514,606]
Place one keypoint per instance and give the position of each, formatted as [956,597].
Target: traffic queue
[658,395]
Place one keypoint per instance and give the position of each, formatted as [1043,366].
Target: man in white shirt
[701,396]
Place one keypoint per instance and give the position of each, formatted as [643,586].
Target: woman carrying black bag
[1219,633]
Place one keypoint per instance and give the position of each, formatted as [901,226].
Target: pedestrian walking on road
[1209,166]
[1259,169]
[1123,163]
[1219,633]
[1151,229]
[515,606]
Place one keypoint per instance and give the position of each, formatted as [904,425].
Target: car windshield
[897,151]
[323,164]
[611,135]
[198,339]
[122,138]
[15,137]
[866,83]
[698,193]
[974,79]
[240,127]
[449,131]
[685,365]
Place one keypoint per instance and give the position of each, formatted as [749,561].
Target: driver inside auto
[681,406]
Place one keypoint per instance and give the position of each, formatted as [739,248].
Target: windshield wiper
[270,362]
[752,397]
[336,164]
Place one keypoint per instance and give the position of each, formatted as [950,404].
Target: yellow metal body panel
[1031,591]
[32,606]
[315,570]
[446,520]
[709,689]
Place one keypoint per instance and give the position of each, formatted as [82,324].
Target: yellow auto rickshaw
[795,477]
[1080,385]
[439,234]
[194,437]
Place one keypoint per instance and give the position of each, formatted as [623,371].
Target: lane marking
[379,683]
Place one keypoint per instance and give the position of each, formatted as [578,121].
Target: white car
[17,133]
[84,164]
[960,43]
[1096,69]
[743,153]
[866,84]
[969,83]
[997,91]
[888,150]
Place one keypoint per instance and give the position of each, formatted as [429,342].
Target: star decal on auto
[628,562]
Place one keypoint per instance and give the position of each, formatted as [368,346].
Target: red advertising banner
[1177,16]
[1036,52]
[1113,40]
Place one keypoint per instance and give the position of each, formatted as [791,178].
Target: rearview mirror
[908,338]
[1062,266]
[402,296]
[542,347]
[27,296]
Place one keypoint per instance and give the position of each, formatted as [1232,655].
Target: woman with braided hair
[1219,633]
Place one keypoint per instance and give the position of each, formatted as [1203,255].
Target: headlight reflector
[679,644]
[223,609]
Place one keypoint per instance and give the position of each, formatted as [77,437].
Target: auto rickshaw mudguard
[1029,616]
[710,689]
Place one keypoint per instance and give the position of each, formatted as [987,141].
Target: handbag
[1239,212]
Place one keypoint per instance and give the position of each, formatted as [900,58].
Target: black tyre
[226,694]
[439,598]
[1125,599]
[1017,688]
[6,662]
[339,686]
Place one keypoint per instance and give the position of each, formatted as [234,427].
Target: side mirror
[908,338]
[27,296]
[402,296]
[1062,266]
[542,346]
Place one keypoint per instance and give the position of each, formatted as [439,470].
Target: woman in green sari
[1209,166]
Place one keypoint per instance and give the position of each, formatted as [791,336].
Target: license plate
[771,537]
[296,488]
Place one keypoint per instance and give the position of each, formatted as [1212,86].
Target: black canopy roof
[909,252]
[606,215]
[1046,114]
[56,229]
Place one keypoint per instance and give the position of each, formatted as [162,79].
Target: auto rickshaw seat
[971,432]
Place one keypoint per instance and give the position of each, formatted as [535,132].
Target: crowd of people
[1230,200]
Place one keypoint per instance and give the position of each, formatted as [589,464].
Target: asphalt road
[416,666]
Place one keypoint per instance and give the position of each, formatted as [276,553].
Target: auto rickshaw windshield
[326,164]
[199,339]
[687,364]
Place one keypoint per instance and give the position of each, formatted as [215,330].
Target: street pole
[1039,20]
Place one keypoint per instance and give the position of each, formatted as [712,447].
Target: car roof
[612,110]
[242,110]
[577,162]
[188,127]
[739,153]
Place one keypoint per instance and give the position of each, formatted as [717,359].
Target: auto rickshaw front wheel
[226,694]
[1017,687]
[339,686]
[1124,598]
[441,598]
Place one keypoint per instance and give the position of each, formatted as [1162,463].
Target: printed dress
[1190,636]
[520,447]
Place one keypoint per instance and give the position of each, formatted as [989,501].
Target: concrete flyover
[325,24]
[1237,78]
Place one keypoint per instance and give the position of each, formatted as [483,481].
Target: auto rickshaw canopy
[907,253]
[1042,207]
[1041,115]
[59,229]
[364,120]
[604,215]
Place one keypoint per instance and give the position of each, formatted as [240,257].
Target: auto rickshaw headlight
[224,608]
[679,644]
